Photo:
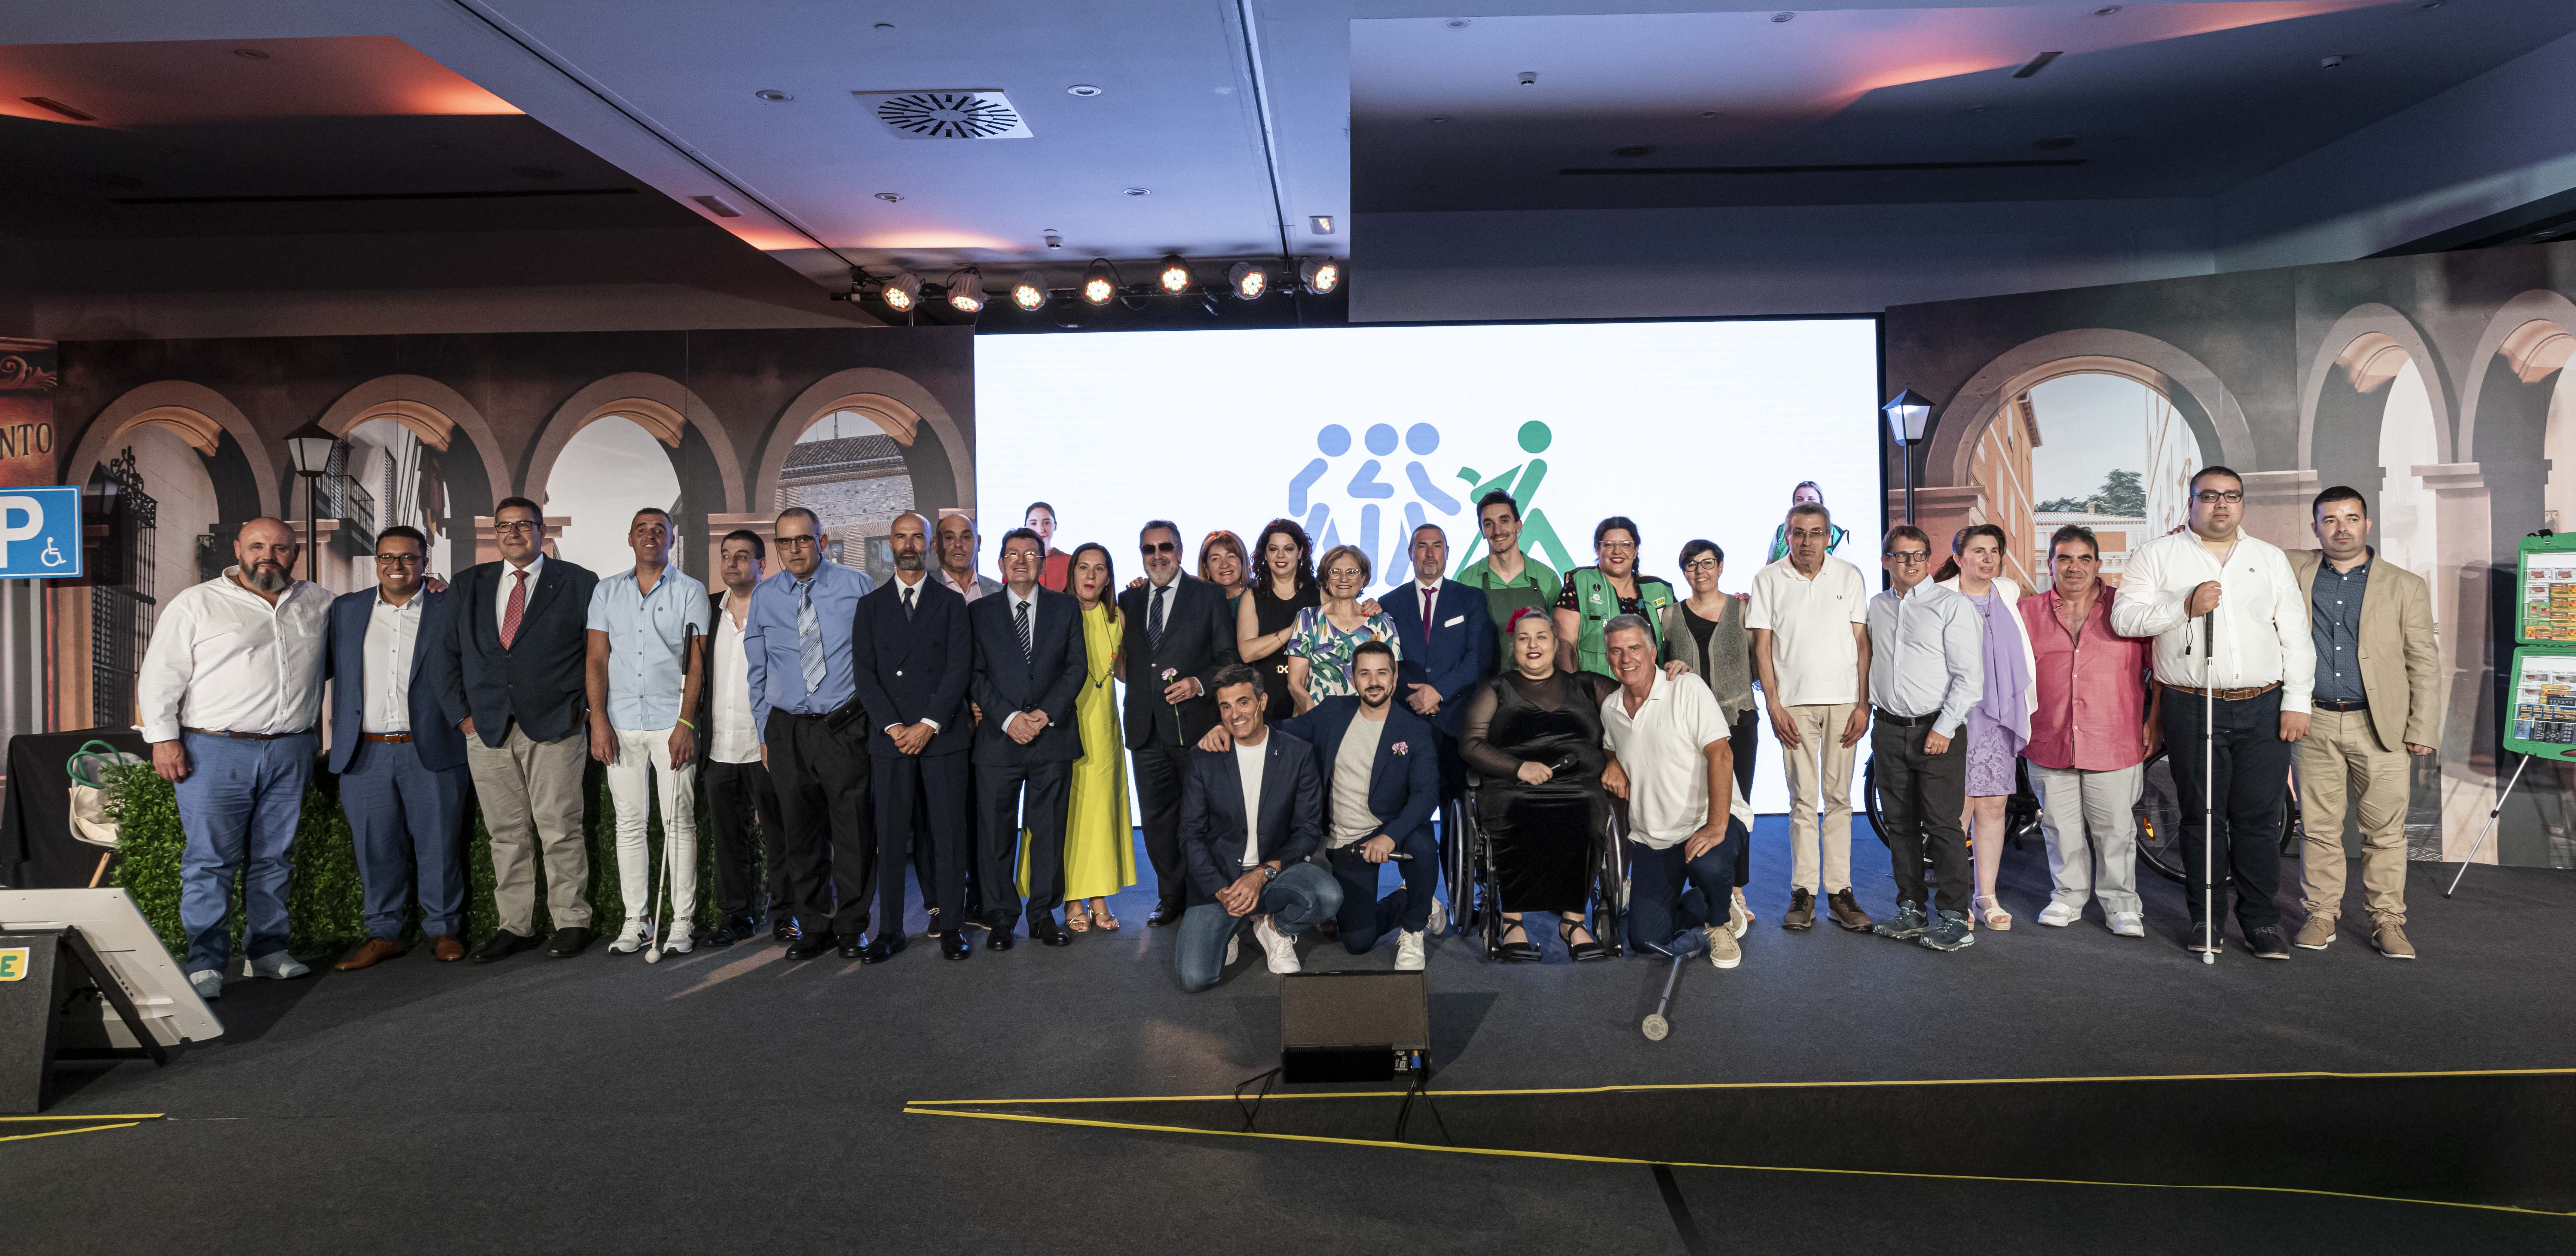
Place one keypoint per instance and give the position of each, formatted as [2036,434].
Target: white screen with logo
[1691,429]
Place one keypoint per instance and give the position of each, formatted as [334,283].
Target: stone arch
[2510,334]
[646,399]
[2367,347]
[433,411]
[202,417]
[2205,403]
[943,466]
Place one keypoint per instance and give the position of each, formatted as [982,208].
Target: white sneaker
[208,983]
[1233,948]
[1439,918]
[278,966]
[1722,949]
[2059,915]
[1737,919]
[1745,911]
[1282,948]
[632,938]
[679,942]
[2129,924]
[1408,953]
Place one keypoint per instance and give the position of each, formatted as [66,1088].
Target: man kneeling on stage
[1670,760]
[1377,760]
[1250,815]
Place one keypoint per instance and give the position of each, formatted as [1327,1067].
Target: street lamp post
[310,448]
[1909,416]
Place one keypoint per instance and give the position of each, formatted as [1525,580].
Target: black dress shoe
[808,948]
[723,936]
[998,940]
[851,945]
[1164,914]
[502,945]
[568,942]
[883,947]
[955,946]
[1044,928]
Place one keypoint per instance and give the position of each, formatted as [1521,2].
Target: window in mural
[610,469]
[2114,456]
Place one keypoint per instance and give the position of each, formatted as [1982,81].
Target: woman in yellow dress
[1099,844]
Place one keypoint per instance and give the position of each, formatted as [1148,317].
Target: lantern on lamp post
[309,447]
[1909,417]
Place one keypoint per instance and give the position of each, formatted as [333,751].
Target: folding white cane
[2208,788]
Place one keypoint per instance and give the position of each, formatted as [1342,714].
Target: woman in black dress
[1266,618]
[1533,736]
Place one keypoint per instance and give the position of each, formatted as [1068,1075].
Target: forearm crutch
[1689,945]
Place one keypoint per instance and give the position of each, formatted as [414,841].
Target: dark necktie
[1154,618]
[907,602]
[516,610]
[1430,596]
[1022,615]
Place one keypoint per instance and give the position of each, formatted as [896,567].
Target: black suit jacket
[1212,829]
[1198,638]
[910,670]
[344,663]
[540,680]
[1046,679]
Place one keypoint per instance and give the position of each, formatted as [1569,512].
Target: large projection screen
[1692,429]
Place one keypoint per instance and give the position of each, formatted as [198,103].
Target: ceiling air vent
[974,113]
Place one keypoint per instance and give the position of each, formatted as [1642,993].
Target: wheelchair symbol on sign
[52,557]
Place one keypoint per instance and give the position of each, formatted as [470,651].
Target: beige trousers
[2339,755]
[530,792]
[1820,772]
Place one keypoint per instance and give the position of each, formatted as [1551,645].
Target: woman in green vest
[1595,595]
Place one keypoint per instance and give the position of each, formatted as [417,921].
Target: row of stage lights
[1101,284]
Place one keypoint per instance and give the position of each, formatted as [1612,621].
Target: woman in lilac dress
[1999,725]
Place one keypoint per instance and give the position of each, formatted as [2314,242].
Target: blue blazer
[1212,831]
[540,681]
[1404,789]
[1047,679]
[910,670]
[344,659]
[1452,657]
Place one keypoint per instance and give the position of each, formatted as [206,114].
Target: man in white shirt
[1926,668]
[645,666]
[740,796]
[1808,614]
[228,694]
[2254,683]
[1670,759]
[1250,816]
[959,547]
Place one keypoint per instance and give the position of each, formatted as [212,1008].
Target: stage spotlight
[1249,279]
[1030,293]
[966,290]
[1319,274]
[902,292]
[1099,282]
[1175,275]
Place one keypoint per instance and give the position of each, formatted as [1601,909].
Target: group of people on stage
[1288,737]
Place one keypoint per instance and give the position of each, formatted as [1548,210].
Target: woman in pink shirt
[2092,729]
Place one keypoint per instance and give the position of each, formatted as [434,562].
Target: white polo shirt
[1814,657]
[1663,749]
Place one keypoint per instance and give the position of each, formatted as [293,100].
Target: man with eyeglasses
[647,627]
[401,764]
[1926,668]
[1809,615]
[2254,684]
[513,676]
[1178,633]
[2091,731]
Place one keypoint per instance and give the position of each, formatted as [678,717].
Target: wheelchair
[1469,862]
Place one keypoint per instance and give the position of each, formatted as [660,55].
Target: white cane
[662,883]
[2208,788]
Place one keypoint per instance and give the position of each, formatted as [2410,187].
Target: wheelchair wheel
[1609,884]
[1870,805]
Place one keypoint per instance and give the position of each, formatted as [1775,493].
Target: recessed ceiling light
[1139,191]
[890,197]
[773,95]
[885,26]
[1082,89]
[1784,17]
[1529,78]
[1456,23]
[250,54]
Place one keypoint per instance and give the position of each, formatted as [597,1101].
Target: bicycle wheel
[1877,814]
[2159,813]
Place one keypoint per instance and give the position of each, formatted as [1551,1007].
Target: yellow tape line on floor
[1275,1096]
[1689,1164]
[93,1116]
[85,1129]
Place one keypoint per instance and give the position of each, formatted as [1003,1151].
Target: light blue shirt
[769,640]
[648,643]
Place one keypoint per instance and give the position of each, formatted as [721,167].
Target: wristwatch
[1269,873]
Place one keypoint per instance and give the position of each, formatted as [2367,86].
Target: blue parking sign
[40,533]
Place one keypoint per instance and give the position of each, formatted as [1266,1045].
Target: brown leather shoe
[1846,912]
[376,951]
[447,947]
[2390,938]
[1802,911]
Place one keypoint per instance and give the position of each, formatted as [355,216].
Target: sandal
[1579,951]
[1075,921]
[1993,913]
[1100,916]
[1521,952]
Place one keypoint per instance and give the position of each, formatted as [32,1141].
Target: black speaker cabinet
[1351,1026]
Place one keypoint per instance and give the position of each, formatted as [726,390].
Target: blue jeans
[1299,896]
[1365,917]
[1668,894]
[407,822]
[238,807]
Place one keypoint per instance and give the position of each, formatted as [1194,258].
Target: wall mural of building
[2434,384]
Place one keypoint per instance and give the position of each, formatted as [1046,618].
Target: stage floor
[729,1099]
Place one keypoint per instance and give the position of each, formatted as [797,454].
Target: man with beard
[645,668]
[1381,770]
[911,656]
[228,694]
[1178,635]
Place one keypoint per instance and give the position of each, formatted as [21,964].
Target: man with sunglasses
[2253,684]
[401,764]
[1178,634]
[1926,668]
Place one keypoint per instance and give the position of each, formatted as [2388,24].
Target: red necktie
[518,607]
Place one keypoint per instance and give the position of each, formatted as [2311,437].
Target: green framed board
[2541,717]
[2546,611]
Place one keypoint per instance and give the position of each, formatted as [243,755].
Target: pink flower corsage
[1399,748]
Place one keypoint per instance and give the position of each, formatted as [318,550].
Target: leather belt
[1885,716]
[2224,695]
[386,739]
[2323,704]
[224,732]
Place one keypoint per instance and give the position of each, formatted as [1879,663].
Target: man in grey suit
[2377,702]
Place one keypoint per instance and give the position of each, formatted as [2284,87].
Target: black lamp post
[310,447]
[1909,416]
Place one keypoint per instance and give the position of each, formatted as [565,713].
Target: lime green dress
[1099,844]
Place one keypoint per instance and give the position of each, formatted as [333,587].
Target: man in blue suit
[1381,784]
[1029,666]
[401,764]
[1444,657]
[912,656]
[1250,815]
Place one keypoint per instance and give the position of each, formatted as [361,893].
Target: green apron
[1598,603]
[1502,601]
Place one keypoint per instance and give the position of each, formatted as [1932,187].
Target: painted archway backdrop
[2435,384]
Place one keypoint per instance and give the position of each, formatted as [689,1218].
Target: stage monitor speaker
[1353,1026]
